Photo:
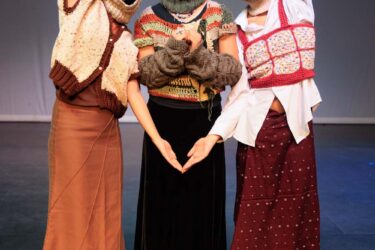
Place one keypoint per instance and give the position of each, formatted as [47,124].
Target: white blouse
[246,109]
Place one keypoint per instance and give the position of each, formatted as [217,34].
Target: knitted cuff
[196,54]
[178,46]
[217,69]
[201,63]
[121,11]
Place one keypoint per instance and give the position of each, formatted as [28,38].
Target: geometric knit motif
[285,47]
[283,56]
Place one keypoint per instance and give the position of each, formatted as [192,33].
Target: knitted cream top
[83,38]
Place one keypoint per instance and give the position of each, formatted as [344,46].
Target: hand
[195,38]
[200,151]
[179,34]
[167,152]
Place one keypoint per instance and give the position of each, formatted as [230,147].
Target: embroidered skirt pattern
[277,202]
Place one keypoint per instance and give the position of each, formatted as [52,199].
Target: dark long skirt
[277,202]
[175,211]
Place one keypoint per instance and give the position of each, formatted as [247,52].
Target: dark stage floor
[346,164]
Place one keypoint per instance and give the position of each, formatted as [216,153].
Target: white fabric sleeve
[299,11]
[236,102]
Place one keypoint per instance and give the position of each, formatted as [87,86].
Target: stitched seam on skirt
[56,114]
[281,196]
[83,164]
[97,189]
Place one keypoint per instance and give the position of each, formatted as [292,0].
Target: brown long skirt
[277,202]
[85,164]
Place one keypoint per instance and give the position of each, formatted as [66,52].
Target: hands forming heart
[203,146]
[197,153]
[200,151]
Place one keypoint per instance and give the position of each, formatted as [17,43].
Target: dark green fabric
[181,6]
[227,15]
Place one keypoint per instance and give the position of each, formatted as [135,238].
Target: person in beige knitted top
[94,70]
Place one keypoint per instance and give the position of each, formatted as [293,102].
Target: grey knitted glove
[164,65]
[213,68]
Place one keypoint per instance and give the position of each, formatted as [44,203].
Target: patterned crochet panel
[287,50]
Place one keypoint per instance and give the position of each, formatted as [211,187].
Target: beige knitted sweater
[84,38]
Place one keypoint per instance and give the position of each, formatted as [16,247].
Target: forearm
[164,65]
[140,110]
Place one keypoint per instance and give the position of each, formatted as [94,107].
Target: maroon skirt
[277,203]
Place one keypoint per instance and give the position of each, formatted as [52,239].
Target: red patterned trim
[282,15]
[213,24]
[242,36]
[282,80]
[211,11]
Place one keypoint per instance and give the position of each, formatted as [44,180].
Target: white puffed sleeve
[299,11]
[236,103]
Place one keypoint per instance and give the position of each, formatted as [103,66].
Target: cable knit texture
[213,68]
[160,68]
[83,43]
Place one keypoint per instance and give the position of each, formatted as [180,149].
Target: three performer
[185,52]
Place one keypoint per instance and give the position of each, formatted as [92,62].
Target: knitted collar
[122,11]
[181,6]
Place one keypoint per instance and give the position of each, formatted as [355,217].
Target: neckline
[266,21]
[161,12]
[264,7]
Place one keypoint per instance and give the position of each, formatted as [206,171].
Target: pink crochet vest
[282,57]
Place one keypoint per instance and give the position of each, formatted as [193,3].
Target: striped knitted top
[156,25]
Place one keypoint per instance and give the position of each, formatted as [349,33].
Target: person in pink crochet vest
[269,113]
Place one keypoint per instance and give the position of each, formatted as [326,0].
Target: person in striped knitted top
[154,29]
[187,55]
